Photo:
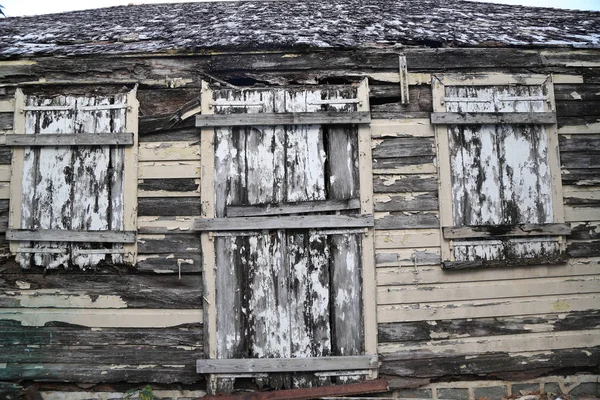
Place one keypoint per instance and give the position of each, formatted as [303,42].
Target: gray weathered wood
[284,222]
[65,235]
[410,221]
[403,72]
[169,206]
[513,262]
[286,364]
[404,183]
[404,147]
[471,118]
[299,118]
[292,208]
[482,231]
[79,139]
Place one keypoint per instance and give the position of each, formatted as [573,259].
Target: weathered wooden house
[296,194]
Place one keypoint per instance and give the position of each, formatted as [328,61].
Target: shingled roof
[293,24]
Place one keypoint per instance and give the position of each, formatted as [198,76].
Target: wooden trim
[369,285]
[492,79]
[490,231]
[16,177]
[284,222]
[79,139]
[403,72]
[130,176]
[322,118]
[207,189]
[443,165]
[446,118]
[60,235]
[292,208]
[517,262]
[267,365]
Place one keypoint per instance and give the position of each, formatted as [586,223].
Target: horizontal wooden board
[583,143]
[481,327]
[292,208]
[434,274]
[427,201]
[6,121]
[524,342]
[407,257]
[572,92]
[7,106]
[487,290]
[413,238]
[404,165]
[404,183]
[153,225]
[577,108]
[402,147]
[283,222]
[100,291]
[4,173]
[103,318]
[182,187]
[583,248]
[149,132]
[487,308]
[576,126]
[168,169]
[175,372]
[58,235]
[443,118]
[268,365]
[168,244]
[401,128]
[585,230]
[63,139]
[487,231]
[397,220]
[5,155]
[501,365]
[169,151]
[317,118]
[13,333]
[554,258]
[131,354]
[180,263]
[169,206]
[577,214]
[580,160]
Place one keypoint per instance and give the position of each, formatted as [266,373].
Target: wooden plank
[7,105]
[245,365]
[404,96]
[309,118]
[170,151]
[406,220]
[103,318]
[405,183]
[414,238]
[402,147]
[16,176]
[376,386]
[580,143]
[401,127]
[447,292]
[175,187]
[65,235]
[424,201]
[168,169]
[292,208]
[422,275]
[490,79]
[535,118]
[169,206]
[482,231]
[486,308]
[577,214]
[284,222]
[79,139]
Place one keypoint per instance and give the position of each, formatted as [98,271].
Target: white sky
[31,7]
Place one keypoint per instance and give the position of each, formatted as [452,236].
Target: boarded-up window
[68,191]
[498,172]
[288,228]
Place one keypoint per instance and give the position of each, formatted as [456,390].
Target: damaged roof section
[295,24]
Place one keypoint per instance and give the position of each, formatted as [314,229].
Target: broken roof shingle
[292,24]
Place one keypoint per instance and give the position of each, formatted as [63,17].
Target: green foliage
[144,393]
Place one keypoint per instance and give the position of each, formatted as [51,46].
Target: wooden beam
[59,235]
[288,222]
[311,364]
[486,231]
[292,208]
[79,139]
[446,118]
[516,262]
[403,71]
[376,386]
[283,119]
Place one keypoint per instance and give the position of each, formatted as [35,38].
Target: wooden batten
[54,235]
[292,208]
[316,118]
[284,222]
[80,139]
[464,232]
[16,175]
[441,118]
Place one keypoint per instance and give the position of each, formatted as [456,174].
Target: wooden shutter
[499,146]
[288,225]
[69,196]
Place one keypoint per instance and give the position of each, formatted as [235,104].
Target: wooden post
[16,173]
[130,175]
[365,166]
[207,190]
[403,71]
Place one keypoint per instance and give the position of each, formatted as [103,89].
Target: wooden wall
[509,322]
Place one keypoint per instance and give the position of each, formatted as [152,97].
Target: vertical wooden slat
[130,170]
[117,182]
[369,312]
[403,72]
[16,175]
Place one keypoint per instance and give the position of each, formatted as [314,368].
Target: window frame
[128,237]
[439,83]
[366,208]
